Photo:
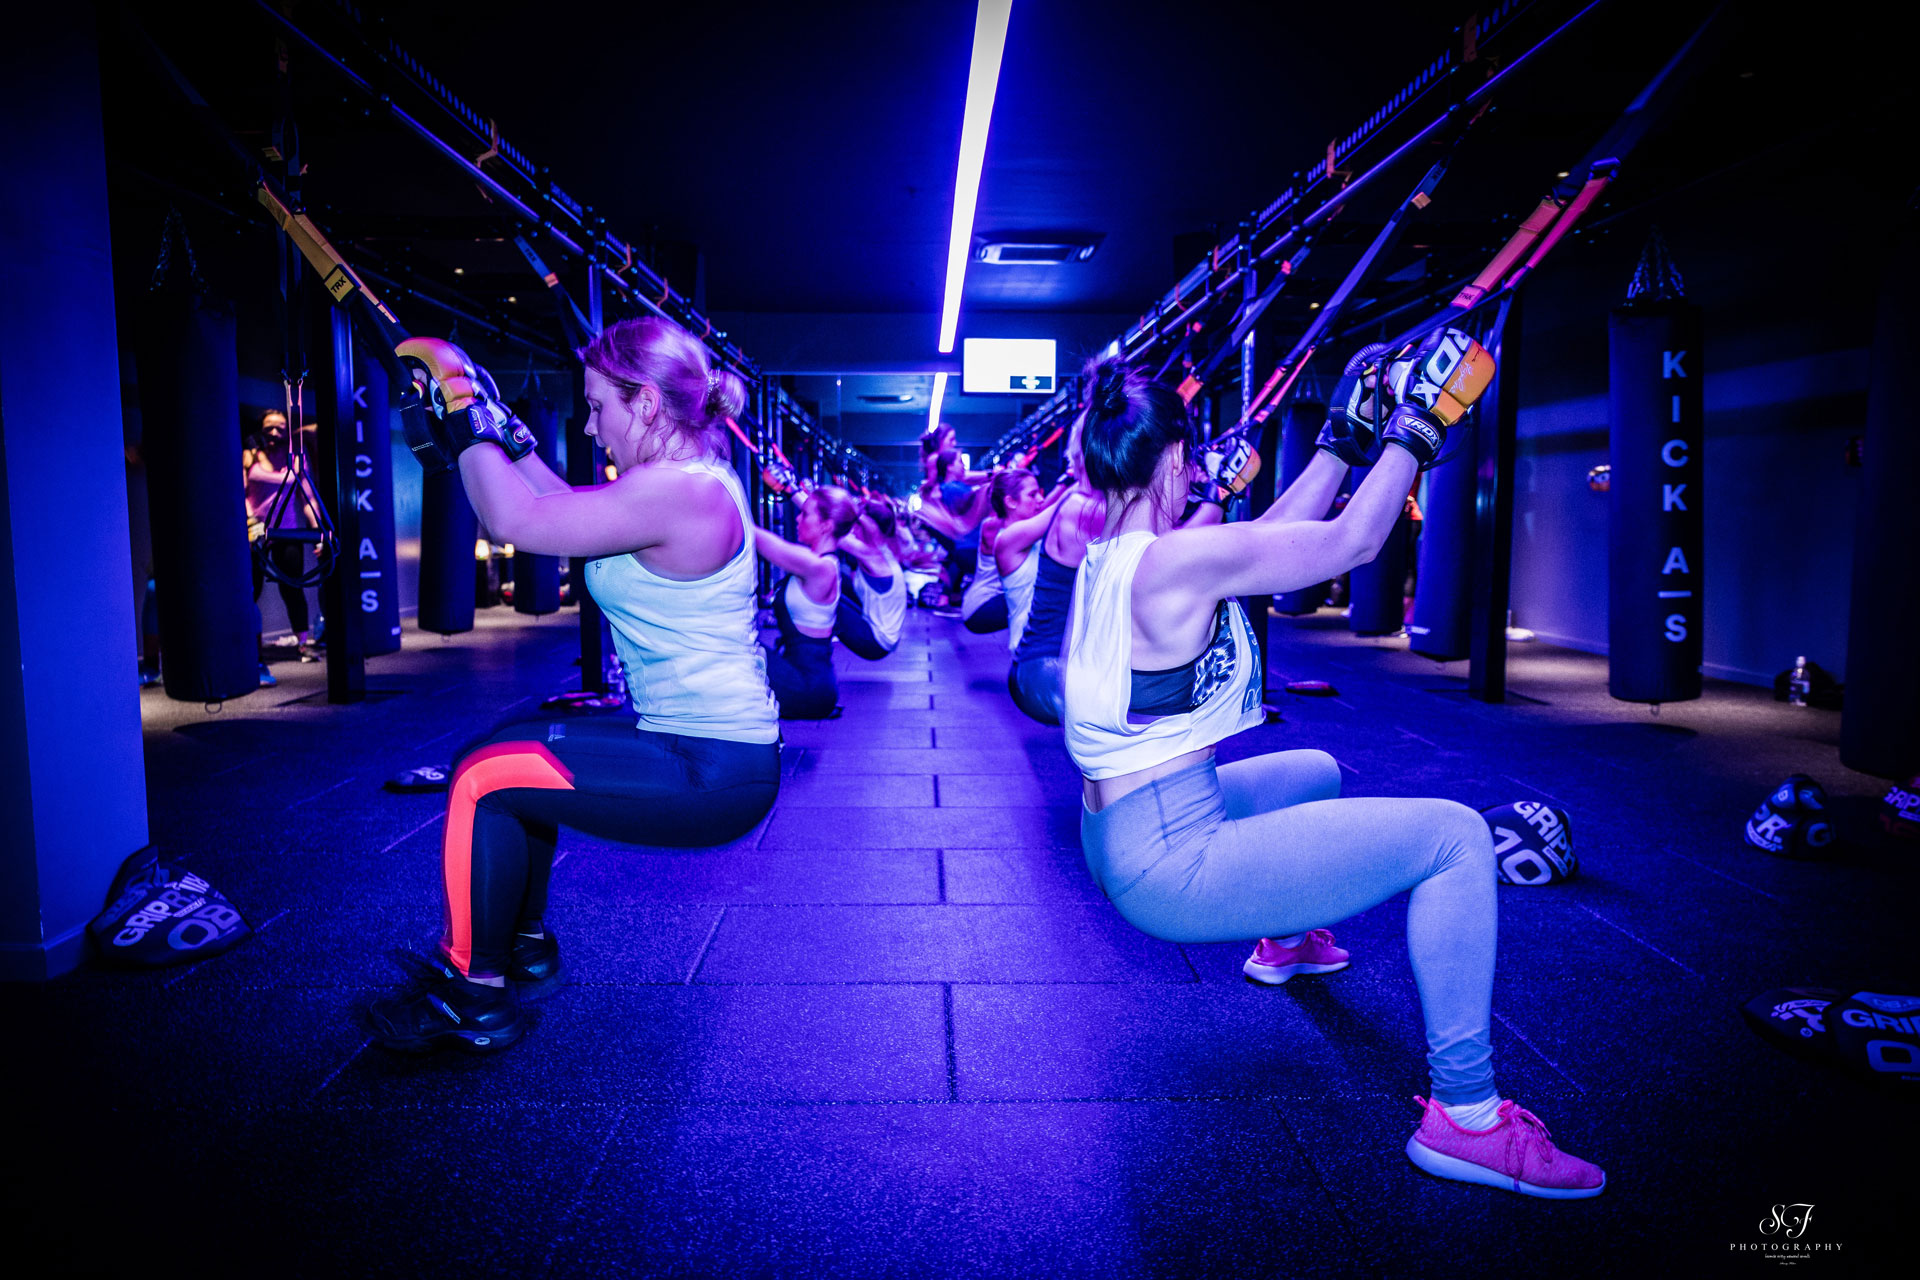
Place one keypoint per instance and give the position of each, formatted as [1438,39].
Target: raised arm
[816,572]
[1011,543]
[1312,491]
[642,509]
[1191,569]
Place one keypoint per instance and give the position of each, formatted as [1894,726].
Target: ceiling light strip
[939,394]
[983,80]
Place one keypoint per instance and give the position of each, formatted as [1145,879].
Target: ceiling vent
[1036,251]
[904,397]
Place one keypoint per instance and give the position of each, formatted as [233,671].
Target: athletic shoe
[312,652]
[1517,1154]
[535,965]
[267,679]
[439,1008]
[1273,964]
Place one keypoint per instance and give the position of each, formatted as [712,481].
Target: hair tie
[713,382]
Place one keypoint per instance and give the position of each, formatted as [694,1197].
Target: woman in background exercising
[873,585]
[806,604]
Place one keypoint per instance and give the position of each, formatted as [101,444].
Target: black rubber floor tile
[188,1046]
[855,731]
[1051,1042]
[913,828]
[941,761]
[951,943]
[604,944]
[857,791]
[995,734]
[1019,876]
[745,877]
[1094,1189]
[615,1045]
[993,791]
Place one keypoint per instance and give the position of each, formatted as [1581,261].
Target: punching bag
[376,592]
[1298,429]
[1443,590]
[1654,530]
[1880,719]
[1375,589]
[448,530]
[190,411]
[536,579]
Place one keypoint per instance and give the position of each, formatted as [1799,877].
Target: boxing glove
[464,407]
[1352,429]
[1444,374]
[1227,466]
[1415,430]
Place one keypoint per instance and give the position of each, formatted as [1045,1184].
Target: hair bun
[1109,393]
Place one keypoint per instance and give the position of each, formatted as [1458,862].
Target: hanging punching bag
[1654,530]
[372,561]
[448,530]
[190,411]
[536,579]
[1443,591]
[1375,589]
[1880,720]
[1298,429]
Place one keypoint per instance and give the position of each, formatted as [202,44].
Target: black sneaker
[535,965]
[439,1008]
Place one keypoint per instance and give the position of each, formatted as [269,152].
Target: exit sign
[1017,366]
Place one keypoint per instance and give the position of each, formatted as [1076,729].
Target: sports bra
[1170,692]
[1103,737]
[808,614]
[1047,610]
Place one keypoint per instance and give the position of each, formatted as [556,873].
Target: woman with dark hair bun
[873,586]
[1161,665]
[670,561]
[806,604]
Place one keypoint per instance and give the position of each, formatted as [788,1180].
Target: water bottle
[1798,684]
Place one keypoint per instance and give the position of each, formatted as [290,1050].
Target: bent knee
[1463,837]
[1324,770]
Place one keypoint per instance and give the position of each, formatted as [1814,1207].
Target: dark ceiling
[809,150]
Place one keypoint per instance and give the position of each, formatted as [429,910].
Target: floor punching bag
[373,561]
[190,411]
[1298,430]
[448,530]
[1443,590]
[1654,529]
[1880,719]
[536,579]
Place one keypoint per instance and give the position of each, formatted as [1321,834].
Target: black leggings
[290,558]
[1037,688]
[988,618]
[855,632]
[515,788]
[801,669]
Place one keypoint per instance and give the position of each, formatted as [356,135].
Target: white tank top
[1102,740]
[693,663]
[886,611]
[1019,588]
[984,587]
[805,612]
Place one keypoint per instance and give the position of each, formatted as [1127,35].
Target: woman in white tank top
[1025,513]
[806,604]
[1161,665]
[671,563]
[873,590]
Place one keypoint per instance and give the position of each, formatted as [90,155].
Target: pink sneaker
[1517,1154]
[1273,964]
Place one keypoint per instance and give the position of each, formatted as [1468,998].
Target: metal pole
[585,468]
[1493,512]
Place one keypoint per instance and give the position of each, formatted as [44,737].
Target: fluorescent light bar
[939,394]
[983,80]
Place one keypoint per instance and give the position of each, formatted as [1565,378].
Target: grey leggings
[1261,848]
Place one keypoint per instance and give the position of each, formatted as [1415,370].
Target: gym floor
[895,1031]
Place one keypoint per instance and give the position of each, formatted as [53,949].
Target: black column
[1880,727]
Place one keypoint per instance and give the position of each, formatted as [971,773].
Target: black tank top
[1052,593]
